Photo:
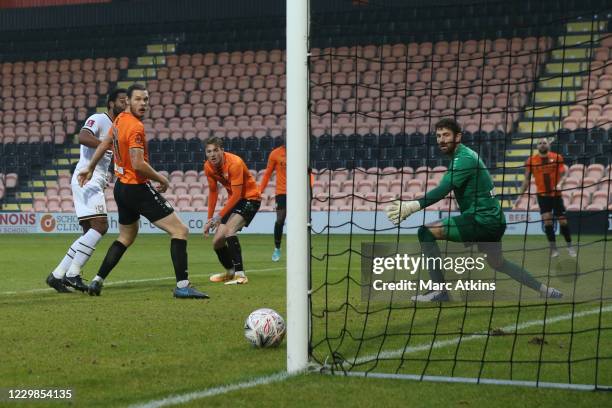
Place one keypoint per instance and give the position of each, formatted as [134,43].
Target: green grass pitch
[135,343]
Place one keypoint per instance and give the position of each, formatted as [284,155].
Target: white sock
[240,274]
[182,283]
[85,246]
[61,269]
[98,279]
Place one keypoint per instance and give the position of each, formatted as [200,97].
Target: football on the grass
[264,328]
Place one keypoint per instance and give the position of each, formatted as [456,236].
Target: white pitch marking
[181,399]
[123,282]
[209,392]
[450,342]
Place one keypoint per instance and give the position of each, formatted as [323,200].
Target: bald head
[543,146]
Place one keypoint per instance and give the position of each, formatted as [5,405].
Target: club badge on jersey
[119,169]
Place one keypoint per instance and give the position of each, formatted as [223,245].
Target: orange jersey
[276,162]
[235,177]
[547,172]
[128,132]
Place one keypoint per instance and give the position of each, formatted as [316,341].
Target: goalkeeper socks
[565,231]
[225,256]
[114,254]
[278,234]
[550,234]
[234,247]
[430,249]
[178,253]
[86,245]
[519,274]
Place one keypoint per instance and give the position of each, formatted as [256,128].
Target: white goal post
[297,136]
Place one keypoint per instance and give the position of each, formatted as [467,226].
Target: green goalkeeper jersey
[472,186]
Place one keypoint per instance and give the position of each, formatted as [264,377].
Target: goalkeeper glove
[398,211]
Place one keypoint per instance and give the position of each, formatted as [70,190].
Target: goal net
[381,76]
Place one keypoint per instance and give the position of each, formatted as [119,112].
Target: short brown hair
[450,124]
[214,140]
[135,87]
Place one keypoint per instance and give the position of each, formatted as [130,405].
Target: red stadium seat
[177,84]
[190,176]
[205,84]
[207,59]
[220,96]
[276,56]
[239,70]
[155,98]
[53,204]
[67,205]
[165,85]
[220,83]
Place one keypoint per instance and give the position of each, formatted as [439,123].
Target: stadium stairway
[554,92]
[60,161]
[145,66]
[21,198]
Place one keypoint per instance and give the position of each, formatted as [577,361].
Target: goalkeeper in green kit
[481,219]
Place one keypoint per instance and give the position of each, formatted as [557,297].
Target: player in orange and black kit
[135,196]
[277,162]
[243,202]
[549,170]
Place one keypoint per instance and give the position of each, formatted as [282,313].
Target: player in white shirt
[89,200]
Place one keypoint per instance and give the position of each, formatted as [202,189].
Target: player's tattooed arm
[523,188]
[562,177]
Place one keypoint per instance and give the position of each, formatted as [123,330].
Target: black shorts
[551,204]
[281,201]
[134,200]
[246,208]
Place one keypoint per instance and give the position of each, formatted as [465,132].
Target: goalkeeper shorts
[465,228]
